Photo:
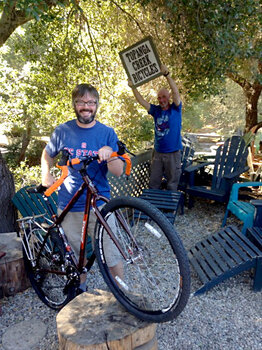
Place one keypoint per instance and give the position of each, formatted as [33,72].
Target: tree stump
[98,322]
[13,278]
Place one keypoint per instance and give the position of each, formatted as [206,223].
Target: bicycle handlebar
[65,163]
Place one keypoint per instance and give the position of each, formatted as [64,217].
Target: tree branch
[237,79]
[91,39]
[12,18]
[128,14]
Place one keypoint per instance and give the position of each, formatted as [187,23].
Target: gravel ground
[229,316]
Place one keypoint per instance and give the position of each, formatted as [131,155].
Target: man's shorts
[72,225]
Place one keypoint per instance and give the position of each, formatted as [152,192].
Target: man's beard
[85,120]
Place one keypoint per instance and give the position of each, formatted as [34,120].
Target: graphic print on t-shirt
[162,125]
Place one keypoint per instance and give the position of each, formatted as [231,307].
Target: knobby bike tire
[48,254]
[154,282]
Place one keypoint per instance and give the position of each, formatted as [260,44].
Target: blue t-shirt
[81,142]
[168,126]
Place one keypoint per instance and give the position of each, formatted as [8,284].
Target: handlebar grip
[127,159]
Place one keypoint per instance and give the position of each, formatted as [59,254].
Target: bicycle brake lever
[123,149]
[64,157]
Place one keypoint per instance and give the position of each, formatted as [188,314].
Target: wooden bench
[166,201]
[30,204]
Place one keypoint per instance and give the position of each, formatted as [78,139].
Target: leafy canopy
[212,38]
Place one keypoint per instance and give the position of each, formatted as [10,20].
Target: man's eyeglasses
[88,103]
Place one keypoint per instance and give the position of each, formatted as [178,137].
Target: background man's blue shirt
[168,125]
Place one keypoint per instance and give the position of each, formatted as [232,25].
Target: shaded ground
[229,316]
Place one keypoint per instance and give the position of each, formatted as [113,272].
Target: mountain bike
[155,283]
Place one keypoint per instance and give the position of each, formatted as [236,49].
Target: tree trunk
[252,93]
[7,190]
[25,142]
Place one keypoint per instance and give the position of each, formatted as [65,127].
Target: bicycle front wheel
[151,277]
[44,259]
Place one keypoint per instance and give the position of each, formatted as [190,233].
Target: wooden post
[7,190]
[98,322]
[12,272]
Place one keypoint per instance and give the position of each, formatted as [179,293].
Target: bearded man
[81,137]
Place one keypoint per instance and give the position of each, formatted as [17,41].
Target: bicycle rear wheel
[45,264]
[153,281]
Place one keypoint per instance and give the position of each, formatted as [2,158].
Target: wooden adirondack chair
[30,204]
[228,252]
[187,156]
[229,164]
[243,210]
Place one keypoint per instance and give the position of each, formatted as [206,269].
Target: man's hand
[104,153]
[115,165]
[130,84]
[48,180]
[164,70]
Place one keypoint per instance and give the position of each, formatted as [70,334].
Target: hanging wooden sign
[141,61]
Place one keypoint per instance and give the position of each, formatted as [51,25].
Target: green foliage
[211,38]
[37,9]
[224,112]
[131,122]
[25,175]
[41,65]
[32,154]
[79,41]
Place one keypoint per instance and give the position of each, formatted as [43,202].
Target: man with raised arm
[168,141]
[81,137]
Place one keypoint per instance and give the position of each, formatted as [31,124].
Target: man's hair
[82,89]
